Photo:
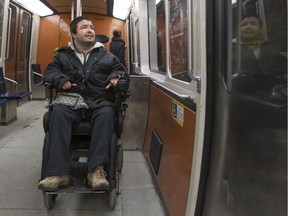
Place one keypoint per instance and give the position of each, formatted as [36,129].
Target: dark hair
[74,23]
[253,15]
[116,33]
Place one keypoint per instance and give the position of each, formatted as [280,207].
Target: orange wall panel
[48,40]
[175,167]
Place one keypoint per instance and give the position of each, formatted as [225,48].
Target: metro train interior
[205,131]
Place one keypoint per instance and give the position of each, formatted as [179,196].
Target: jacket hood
[71,46]
[96,45]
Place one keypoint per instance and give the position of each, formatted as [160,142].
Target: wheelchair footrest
[83,190]
[78,185]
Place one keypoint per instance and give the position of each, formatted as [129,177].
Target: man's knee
[106,113]
[62,114]
[59,108]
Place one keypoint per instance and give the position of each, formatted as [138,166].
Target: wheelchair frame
[79,152]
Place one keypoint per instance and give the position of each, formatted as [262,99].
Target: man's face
[250,28]
[85,35]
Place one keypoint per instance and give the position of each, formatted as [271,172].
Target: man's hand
[112,82]
[68,85]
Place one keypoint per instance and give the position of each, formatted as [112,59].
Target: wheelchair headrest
[101,38]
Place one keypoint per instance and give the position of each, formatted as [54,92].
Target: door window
[259,50]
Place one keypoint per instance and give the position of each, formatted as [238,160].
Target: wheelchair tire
[49,200]
[117,176]
[120,154]
[112,198]
[46,121]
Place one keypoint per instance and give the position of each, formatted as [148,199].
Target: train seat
[9,109]
[10,95]
[2,102]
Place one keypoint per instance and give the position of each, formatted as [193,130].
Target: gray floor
[20,161]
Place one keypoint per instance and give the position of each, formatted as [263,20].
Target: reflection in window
[178,37]
[259,51]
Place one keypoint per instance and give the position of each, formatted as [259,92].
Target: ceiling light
[121,8]
[37,7]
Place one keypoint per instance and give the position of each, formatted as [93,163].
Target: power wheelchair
[79,150]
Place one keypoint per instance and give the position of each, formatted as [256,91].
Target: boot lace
[100,173]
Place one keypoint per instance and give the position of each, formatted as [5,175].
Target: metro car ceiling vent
[155,151]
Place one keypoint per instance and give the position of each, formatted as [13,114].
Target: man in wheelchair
[83,75]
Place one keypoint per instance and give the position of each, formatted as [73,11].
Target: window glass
[259,50]
[157,35]
[134,43]
[161,36]
[137,56]
[178,39]
[11,32]
[1,24]
[26,20]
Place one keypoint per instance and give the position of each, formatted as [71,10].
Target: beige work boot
[52,183]
[97,179]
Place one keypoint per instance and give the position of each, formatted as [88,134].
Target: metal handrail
[182,96]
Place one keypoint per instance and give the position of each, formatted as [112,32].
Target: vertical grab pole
[72,10]
[79,11]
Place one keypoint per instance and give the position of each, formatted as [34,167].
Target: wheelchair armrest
[122,91]
[48,85]
[49,94]
[123,85]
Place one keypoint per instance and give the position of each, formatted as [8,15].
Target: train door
[176,62]
[247,172]
[18,46]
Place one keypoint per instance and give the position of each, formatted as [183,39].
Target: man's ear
[73,35]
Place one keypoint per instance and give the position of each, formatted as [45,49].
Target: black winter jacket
[91,78]
[117,47]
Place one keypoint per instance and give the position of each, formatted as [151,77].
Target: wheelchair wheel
[120,154]
[118,184]
[49,200]
[112,198]
[46,121]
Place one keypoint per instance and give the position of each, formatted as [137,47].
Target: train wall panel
[178,136]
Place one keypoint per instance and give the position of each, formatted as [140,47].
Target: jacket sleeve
[118,69]
[53,73]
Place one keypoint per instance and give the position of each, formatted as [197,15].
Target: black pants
[62,121]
